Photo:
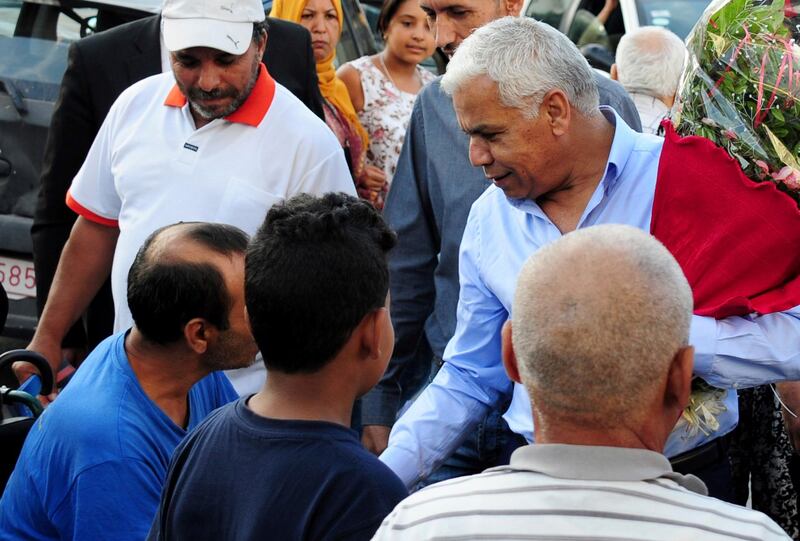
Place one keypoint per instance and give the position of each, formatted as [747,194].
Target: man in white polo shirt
[217,140]
[599,338]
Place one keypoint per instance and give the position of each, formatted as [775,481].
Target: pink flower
[789,176]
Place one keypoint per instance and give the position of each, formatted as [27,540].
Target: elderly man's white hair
[598,317]
[526,59]
[650,60]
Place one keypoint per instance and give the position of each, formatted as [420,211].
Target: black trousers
[710,463]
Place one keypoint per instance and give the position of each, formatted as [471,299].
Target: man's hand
[54,355]
[375,438]
[48,348]
[84,265]
[607,10]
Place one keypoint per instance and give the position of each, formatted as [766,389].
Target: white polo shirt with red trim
[150,167]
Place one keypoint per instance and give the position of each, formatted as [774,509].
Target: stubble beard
[194,94]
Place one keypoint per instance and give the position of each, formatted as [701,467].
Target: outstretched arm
[746,351]
[471,382]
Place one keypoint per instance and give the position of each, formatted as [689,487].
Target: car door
[34,41]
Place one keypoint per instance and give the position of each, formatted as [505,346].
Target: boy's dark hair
[388,11]
[165,293]
[313,270]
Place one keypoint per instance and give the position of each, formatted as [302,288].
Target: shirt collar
[621,147]
[254,108]
[598,463]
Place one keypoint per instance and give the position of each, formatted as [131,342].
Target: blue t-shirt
[243,477]
[94,463]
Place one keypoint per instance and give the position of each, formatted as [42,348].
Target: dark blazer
[99,68]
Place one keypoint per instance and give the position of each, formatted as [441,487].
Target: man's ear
[679,380]
[261,47]
[613,73]
[557,110]
[199,334]
[509,357]
[513,7]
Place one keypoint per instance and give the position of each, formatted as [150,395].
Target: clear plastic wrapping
[741,87]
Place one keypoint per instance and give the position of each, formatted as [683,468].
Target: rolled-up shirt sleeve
[739,352]
[471,382]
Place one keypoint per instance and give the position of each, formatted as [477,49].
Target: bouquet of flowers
[741,87]
[736,121]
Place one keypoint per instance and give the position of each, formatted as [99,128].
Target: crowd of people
[468,256]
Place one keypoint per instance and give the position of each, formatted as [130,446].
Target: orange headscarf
[331,87]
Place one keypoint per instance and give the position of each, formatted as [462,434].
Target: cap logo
[226,8]
[235,42]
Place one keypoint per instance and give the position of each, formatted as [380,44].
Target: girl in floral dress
[383,87]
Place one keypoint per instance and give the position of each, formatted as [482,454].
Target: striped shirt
[561,492]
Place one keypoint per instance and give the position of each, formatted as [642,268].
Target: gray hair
[526,59]
[650,60]
[598,317]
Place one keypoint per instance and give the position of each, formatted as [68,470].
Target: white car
[596,26]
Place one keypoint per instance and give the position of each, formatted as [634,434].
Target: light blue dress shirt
[432,191]
[500,235]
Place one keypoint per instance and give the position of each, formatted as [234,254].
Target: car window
[357,39]
[679,16]
[9,11]
[548,11]
[75,24]
[45,21]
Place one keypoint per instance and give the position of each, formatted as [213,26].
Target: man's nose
[479,154]
[209,78]
[445,33]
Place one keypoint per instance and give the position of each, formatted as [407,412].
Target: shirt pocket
[245,205]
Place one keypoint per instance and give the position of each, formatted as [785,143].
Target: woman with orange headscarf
[323,19]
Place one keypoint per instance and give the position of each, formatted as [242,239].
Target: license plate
[18,277]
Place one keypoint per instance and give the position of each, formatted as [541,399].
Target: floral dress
[385,116]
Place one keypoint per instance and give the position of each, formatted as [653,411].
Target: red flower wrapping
[737,241]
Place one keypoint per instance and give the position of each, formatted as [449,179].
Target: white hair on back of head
[526,59]
[598,316]
[650,60]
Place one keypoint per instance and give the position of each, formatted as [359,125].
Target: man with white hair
[604,399]
[649,64]
[559,162]
[432,191]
